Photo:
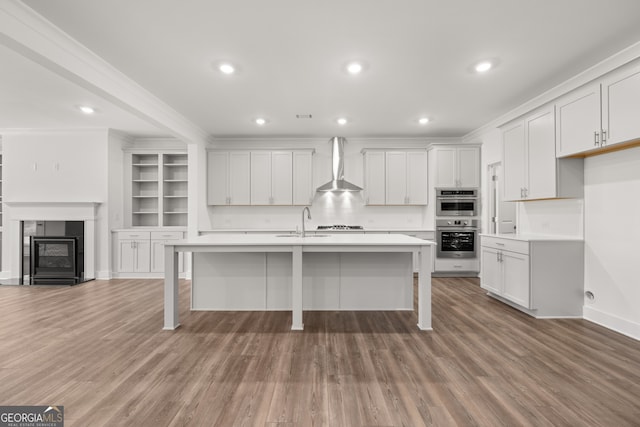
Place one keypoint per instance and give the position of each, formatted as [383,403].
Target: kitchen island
[271,272]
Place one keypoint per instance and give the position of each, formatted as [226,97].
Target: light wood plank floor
[99,350]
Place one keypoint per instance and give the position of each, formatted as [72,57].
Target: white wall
[58,166]
[346,208]
[612,234]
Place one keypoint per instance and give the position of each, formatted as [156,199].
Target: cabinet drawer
[519,246]
[133,235]
[167,235]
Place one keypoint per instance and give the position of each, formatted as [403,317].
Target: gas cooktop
[340,227]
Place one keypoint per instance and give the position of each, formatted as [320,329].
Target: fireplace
[54,259]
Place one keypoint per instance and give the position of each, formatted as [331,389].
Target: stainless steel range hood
[337,182]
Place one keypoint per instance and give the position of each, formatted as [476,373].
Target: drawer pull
[499,244]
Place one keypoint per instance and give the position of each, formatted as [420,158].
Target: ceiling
[290,54]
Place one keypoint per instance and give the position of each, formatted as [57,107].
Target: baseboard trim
[615,323]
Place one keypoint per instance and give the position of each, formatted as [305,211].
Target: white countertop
[314,230]
[334,239]
[533,237]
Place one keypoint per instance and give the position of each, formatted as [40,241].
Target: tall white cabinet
[156,201]
[395,177]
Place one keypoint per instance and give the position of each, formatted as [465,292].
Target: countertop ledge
[314,230]
[335,239]
[534,237]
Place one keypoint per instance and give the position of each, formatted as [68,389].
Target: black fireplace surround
[54,259]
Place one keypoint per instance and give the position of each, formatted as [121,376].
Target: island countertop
[347,239]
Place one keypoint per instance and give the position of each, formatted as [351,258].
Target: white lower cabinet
[141,253]
[543,278]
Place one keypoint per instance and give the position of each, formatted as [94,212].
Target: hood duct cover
[337,182]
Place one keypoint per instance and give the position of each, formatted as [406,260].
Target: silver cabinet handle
[604,136]
[596,138]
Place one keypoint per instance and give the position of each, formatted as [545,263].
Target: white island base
[249,272]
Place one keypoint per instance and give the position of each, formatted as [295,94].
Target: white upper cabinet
[395,177]
[374,177]
[456,166]
[260,177]
[228,177]
[600,115]
[271,177]
[303,190]
[621,105]
[531,170]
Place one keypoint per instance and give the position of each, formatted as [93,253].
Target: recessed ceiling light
[484,66]
[354,68]
[261,121]
[226,68]
[423,120]
[342,121]
[86,109]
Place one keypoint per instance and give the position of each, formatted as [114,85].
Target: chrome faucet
[306,208]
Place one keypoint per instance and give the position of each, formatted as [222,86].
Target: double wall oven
[456,222]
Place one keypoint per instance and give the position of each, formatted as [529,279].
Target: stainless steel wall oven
[457,202]
[456,238]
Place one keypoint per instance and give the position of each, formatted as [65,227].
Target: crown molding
[592,73]
[29,34]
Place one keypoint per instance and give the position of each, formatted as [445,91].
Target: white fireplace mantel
[49,211]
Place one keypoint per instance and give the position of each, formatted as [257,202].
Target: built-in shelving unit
[174,183]
[145,190]
[158,189]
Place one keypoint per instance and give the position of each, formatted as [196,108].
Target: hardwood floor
[99,350]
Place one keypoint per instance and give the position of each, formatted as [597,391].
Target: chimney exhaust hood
[337,182]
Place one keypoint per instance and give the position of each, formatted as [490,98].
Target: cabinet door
[446,160]
[302,178]
[396,178]
[620,105]
[217,178]
[468,167]
[261,178]
[417,178]
[375,181]
[578,121]
[491,270]
[126,256]
[282,178]
[516,285]
[239,178]
[541,155]
[142,256]
[514,158]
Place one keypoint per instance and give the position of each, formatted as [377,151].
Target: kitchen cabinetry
[139,253]
[228,177]
[259,177]
[396,177]
[271,178]
[600,116]
[303,190]
[157,195]
[543,278]
[456,166]
[134,252]
[531,169]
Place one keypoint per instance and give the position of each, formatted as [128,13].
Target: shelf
[146,213]
[176,180]
[176,213]
[145,197]
[175,197]
[175,164]
[145,165]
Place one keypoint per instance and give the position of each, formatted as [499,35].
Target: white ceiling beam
[29,34]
